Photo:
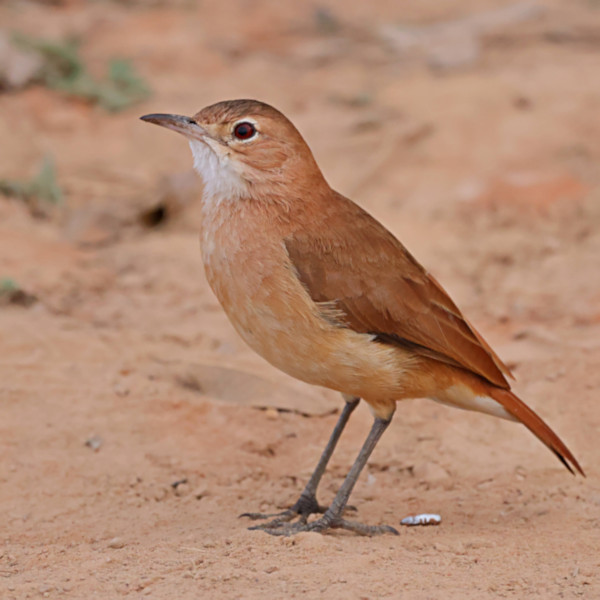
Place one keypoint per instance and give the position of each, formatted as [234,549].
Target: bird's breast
[248,269]
[250,272]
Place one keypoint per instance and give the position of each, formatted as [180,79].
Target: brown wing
[361,270]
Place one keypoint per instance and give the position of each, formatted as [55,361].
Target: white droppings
[423,519]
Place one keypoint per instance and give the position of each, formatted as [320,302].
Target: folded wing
[375,286]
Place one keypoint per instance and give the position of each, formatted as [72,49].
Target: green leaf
[64,70]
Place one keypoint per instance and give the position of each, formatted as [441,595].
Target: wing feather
[372,284]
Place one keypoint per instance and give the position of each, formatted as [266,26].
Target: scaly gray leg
[307,502]
[332,519]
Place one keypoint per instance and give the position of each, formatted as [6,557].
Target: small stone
[182,489]
[95,443]
[272,413]
[116,543]
[201,491]
[161,494]
[179,482]
[121,390]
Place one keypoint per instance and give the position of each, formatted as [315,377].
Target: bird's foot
[305,506]
[325,523]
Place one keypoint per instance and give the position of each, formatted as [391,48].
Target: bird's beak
[184,125]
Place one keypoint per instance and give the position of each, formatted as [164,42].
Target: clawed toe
[280,528]
[305,506]
[286,515]
[280,522]
[301,510]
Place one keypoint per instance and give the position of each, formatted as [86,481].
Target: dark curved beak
[184,125]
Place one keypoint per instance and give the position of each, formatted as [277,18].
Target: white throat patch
[221,179]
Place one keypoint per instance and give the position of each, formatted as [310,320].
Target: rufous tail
[518,409]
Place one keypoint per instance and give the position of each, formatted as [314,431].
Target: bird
[324,292]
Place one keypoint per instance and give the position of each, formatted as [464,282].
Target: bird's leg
[307,502]
[332,519]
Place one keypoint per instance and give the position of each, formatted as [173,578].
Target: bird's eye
[244,131]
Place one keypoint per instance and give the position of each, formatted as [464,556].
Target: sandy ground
[488,171]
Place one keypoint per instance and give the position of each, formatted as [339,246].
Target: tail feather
[518,409]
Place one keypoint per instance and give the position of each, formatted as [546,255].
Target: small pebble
[182,489]
[201,491]
[116,543]
[161,494]
[121,390]
[272,413]
[95,443]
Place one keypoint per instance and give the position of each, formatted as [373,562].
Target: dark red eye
[244,131]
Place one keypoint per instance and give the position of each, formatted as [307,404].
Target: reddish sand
[488,173]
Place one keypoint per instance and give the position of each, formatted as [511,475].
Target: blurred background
[134,420]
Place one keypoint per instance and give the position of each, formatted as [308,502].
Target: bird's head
[245,149]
